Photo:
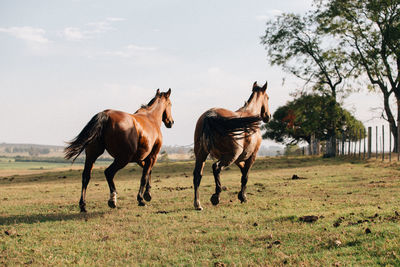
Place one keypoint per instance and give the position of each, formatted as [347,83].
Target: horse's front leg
[244,168]
[148,165]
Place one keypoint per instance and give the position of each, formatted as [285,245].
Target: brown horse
[230,137]
[127,138]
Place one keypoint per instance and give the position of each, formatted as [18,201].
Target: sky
[64,61]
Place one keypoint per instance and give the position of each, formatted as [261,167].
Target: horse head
[167,115]
[263,97]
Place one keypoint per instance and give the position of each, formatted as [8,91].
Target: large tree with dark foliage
[311,115]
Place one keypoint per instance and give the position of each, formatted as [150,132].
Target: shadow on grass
[40,218]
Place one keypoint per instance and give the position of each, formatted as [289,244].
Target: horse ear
[168,93]
[158,92]
[255,85]
[264,88]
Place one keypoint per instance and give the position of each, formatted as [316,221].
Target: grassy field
[357,205]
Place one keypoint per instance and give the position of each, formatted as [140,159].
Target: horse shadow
[47,217]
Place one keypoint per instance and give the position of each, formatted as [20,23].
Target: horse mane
[143,106]
[149,104]
[249,100]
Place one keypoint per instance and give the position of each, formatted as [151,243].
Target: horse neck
[251,107]
[155,111]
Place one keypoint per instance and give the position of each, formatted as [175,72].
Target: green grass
[40,223]
[11,164]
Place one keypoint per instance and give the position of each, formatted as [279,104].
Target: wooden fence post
[348,147]
[383,143]
[369,142]
[355,144]
[364,143]
[342,144]
[376,143]
[359,146]
[390,145]
[398,139]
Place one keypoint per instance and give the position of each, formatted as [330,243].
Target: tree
[369,31]
[294,43]
[311,115]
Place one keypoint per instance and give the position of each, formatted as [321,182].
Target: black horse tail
[91,132]
[213,125]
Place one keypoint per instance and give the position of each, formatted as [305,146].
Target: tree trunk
[396,130]
[392,122]
[331,147]
[311,145]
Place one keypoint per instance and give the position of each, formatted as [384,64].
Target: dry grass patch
[40,223]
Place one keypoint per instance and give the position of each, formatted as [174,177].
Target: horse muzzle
[266,118]
[169,124]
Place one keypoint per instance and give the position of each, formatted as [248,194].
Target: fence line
[362,145]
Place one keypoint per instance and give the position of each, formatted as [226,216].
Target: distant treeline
[53,159]
[33,151]
[177,149]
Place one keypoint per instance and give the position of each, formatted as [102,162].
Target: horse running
[127,138]
[230,137]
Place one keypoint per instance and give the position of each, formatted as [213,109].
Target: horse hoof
[112,204]
[198,208]
[242,198]
[147,196]
[82,206]
[214,199]
[141,203]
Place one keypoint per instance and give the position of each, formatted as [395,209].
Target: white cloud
[27,33]
[73,34]
[100,26]
[269,14]
[91,30]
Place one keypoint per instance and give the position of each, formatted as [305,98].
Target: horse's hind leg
[216,167]
[110,173]
[201,157]
[147,195]
[93,151]
[85,181]
[244,168]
